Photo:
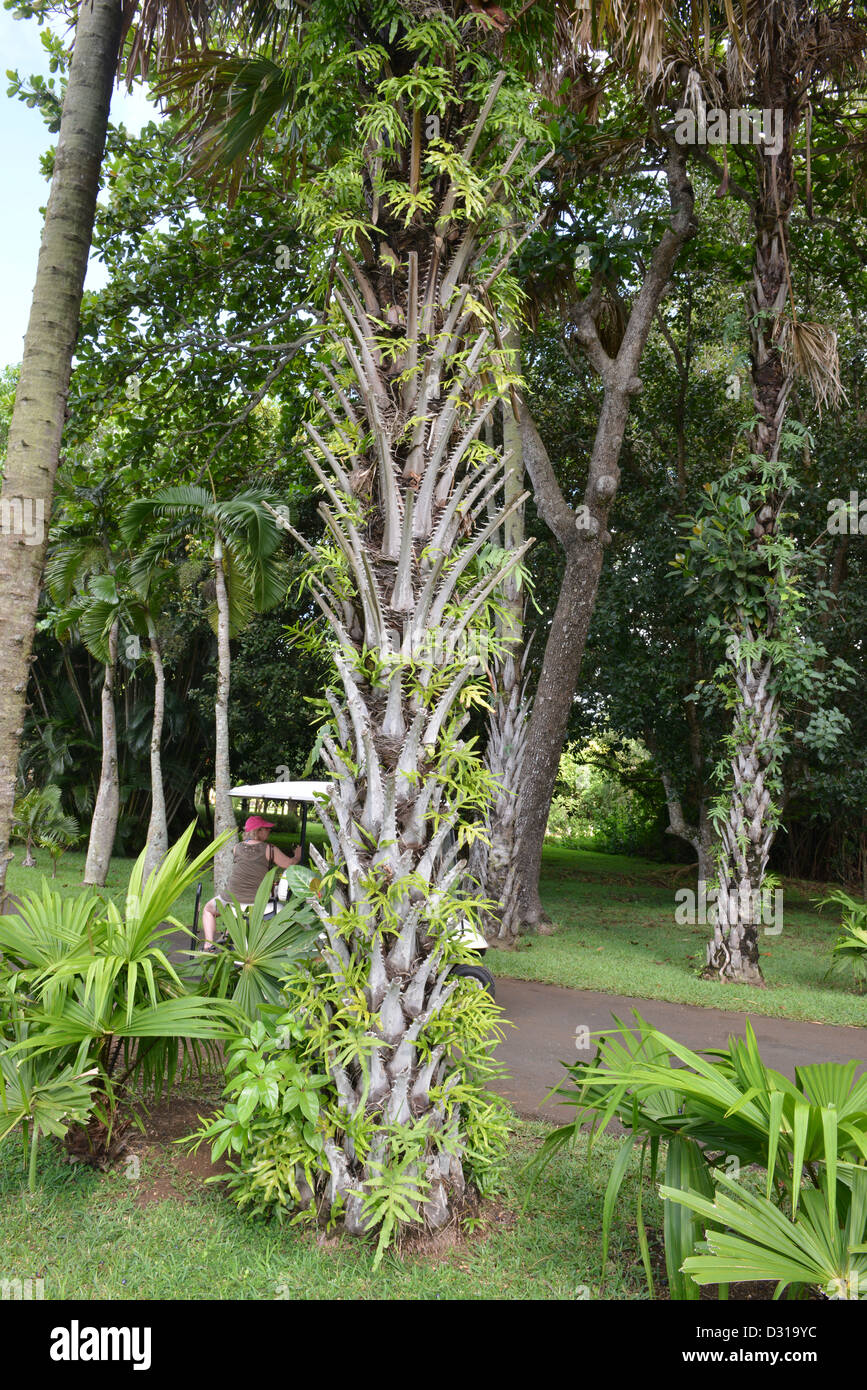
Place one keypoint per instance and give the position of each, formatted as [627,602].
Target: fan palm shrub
[40,820]
[251,964]
[89,990]
[748,1238]
[849,952]
[713,1111]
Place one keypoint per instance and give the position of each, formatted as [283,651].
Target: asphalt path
[546,1017]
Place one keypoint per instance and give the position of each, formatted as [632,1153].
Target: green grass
[88,1237]
[618,934]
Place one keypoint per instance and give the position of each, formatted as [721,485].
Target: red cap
[258,823]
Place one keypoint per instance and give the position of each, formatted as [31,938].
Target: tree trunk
[749,828]
[747,833]
[105,812]
[403,781]
[491,864]
[700,836]
[158,833]
[583,536]
[224,815]
[40,401]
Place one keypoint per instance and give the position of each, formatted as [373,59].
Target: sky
[23,139]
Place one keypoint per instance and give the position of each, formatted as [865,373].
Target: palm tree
[40,820]
[789,55]
[94,610]
[249,576]
[149,586]
[411,501]
[35,429]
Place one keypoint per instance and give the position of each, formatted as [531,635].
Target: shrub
[711,1110]
[849,952]
[87,991]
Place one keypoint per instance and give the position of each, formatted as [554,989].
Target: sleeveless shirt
[253,859]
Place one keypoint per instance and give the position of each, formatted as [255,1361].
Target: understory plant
[849,952]
[249,965]
[713,1116]
[286,1121]
[91,1005]
[39,819]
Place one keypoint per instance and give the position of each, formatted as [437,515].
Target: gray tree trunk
[158,834]
[104,824]
[40,402]
[583,537]
[224,815]
[491,863]
[700,837]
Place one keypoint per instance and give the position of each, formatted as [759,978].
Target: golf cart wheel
[483,977]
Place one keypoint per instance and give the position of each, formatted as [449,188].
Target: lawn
[115,1235]
[617,933]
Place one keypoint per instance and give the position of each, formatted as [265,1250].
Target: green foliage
[849,952]
[713,1110]
[88,990]
[285,1107]
[824,1247]
[35,1092]
[39,819]
[175,519]
[258,952]
[274,1122]
[607,795]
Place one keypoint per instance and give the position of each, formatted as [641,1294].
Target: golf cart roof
[283,791]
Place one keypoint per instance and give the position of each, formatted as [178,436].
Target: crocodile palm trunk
[411,499]
[748,828]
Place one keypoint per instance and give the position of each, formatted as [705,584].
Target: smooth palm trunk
[158,834]
[224,816]
[105,812]
[40,403]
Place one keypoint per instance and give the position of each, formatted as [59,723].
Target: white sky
[23,139]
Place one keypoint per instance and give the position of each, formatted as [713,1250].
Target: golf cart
[305,794]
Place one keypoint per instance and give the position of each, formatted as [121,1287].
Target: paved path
[546,1016]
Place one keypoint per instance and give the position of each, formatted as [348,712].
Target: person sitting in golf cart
[253,858]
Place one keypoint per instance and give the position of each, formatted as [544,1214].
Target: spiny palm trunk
[158,834]
[40,403]
[400,616]
[105,812]
[224,816]
[747,831]
[746,835]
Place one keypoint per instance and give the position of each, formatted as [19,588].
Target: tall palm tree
[244,541]
[35,429]
[790,55]
[85,581]
[151,594]
[422,233]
